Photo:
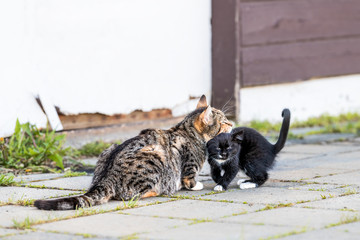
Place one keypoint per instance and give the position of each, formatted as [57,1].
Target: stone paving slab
[216,231]
[290,156]
[346,160]
[48,236]
[73,183]
[352,178]
[350,227]
[209,185]
[21,193]
[304,173]
[37,177]
[113,204]
[9,213]
[320,148]
[349,231]
[267,195]
[194,209]
[351,202]
[113,225]
[295,217]
[325,188]
[19,213]
[5,231]
[274,183]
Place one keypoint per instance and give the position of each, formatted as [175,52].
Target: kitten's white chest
[220,160]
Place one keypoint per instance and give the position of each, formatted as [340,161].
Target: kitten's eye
[218,149]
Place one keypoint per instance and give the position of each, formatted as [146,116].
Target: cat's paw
[198,186]
[247,185]
[240,181]
[219,188]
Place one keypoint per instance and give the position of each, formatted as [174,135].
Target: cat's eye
[218,149]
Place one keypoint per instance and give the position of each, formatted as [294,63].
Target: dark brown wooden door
[260,42]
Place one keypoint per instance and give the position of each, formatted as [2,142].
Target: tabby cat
[154,162]
[245,149]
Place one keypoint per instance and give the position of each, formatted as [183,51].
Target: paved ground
[313,193]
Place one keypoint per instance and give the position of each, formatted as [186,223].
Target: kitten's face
[223,147]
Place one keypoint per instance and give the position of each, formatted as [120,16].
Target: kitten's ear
[238,137]
[206,116]
[202,102]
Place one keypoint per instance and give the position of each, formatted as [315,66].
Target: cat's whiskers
[223,108]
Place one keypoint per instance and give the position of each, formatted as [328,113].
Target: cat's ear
[202,102]
[207,116]
[238,136]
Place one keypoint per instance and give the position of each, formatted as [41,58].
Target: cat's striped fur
[154,162]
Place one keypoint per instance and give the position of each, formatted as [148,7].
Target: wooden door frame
[226,56]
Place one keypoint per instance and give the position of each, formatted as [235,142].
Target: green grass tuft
[94,149]
[25,224]
[7,180]
[201,220]
[343,123]
[29,146]
[344,220]
[70,173]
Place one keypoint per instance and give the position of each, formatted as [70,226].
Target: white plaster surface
[305,99]
[111,56]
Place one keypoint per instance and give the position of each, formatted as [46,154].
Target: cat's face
[211,121]
[223,147]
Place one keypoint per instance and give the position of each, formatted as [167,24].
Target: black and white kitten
[245,149]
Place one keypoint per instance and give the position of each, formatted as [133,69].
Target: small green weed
[7,180]
[318,189]
[70,173]
[86,235]
[94,149]
[133,202]
[348,209]
[201,220]
[274,206]
[235,214]
[349,191]
[343,123]
[344,220]
[25,202]
[25,224]
[87,211]
[130,237]
[294,232]
[29,146]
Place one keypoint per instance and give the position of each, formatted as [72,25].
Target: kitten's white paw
[198,186]
[240,181]
[247,185]
[218,188]
[222,172]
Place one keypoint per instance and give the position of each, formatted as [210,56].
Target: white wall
[109,56]
[305,99]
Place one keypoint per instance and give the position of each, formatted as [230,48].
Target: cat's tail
[95,196]
[283,131]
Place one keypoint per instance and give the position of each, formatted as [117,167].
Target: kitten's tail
[283,131]
[95,196]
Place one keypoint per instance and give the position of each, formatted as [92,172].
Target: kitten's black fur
[245,149]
